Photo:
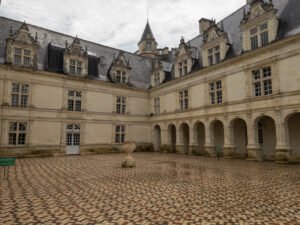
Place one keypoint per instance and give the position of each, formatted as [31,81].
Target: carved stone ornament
[22,39]
[257,9]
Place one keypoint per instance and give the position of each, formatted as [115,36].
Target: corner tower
[147,44]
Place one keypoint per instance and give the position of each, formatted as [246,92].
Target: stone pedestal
[180,149]
[193,149]
[254,153]
[129,161]
[283,154]
[166,148]
[229,151]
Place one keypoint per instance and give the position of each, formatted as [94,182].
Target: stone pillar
[209,146]
[179,142]
[254,151]
[165,145]
[193,141]
[229,147]
[283,149]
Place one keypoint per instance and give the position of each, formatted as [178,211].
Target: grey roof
[288,14]
[141,66]
[147,34]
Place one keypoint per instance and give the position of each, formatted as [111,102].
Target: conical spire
[147,34]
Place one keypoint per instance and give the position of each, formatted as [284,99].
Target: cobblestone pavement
[164,189]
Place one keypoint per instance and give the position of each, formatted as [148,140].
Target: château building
[234,89]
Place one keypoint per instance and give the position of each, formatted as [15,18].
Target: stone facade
[244,104]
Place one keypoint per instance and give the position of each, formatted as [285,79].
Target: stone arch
[265,136]
[217,135]
[172,137]
[292,122]
[240,136]
[199,136]
[184,136]
[156,138]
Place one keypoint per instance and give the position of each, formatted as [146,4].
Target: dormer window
[121,76]
[214,55]
[259,26]
[75,59]
[183,68]
[22,48]
[75,67]
[259,36]
[148,46]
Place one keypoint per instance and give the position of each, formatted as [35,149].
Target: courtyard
[163,189]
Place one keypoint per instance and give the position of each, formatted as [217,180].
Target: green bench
[5,163]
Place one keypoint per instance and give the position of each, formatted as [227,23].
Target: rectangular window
[264,37]
[184,99]
[253,31]
[120,134]
[19,95]
[262,81]
[157,105]
[254,42]
[17,133]
[185,68]
[74,100]
[121,105]
[216,93]
[217,57]
[22,56]
[75,67]
[264,26]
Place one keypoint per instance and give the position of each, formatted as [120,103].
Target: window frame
[75,67]
[19,95]
[121,105]
[183,99]
[262,84]
[120,134]
[74,102]
[157,106]
[216,92]
[17,136]
[24,58]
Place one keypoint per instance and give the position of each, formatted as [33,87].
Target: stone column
[165,145]
[229,147]
[254,151]
[283,149]
[209,146]
[193,141]
[179,141]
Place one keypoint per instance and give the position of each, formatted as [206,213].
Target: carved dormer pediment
[120,69]
[258,8]
[259,25]
[215,45]
[21,48]
[75,59]
[184,59]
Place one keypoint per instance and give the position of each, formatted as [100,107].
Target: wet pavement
[163,189]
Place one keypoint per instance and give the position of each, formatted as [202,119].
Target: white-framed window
[121,77]
[75,67]
[216,93]
[121,105]
[184,99]
[22,56]
[262,81]
[183,68]
[73,135]
[259,36]
[20,95]
[74,100]
[17,133]
[157,106]
[157,79]
[214,55]
[120,132]
[148,46]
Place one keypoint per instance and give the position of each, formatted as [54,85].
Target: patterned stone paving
[164,189]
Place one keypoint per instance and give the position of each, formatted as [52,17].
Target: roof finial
[36,36]
[10,31]
[222,25]
[66,44]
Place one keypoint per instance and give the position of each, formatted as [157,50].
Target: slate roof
[52,44]
[147,34]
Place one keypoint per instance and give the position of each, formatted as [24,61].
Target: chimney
[204,24]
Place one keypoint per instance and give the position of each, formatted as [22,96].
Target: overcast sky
[120,23]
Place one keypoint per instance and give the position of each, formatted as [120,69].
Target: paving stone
[163,189]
